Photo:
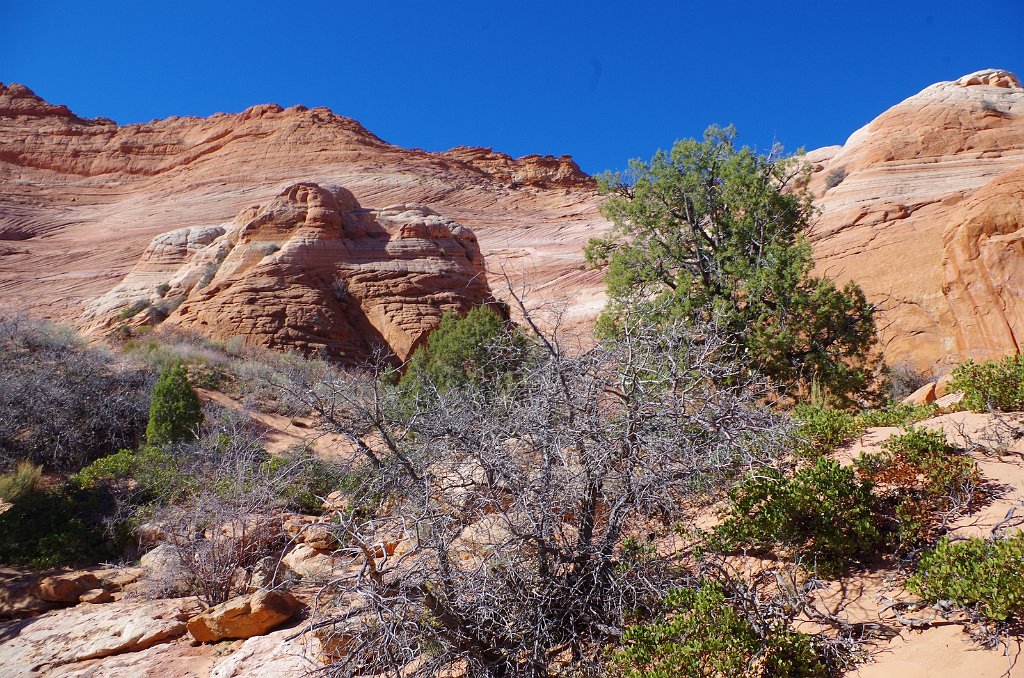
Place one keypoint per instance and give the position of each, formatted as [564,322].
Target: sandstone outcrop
[243,617]
[311,271]
[81,200]
[923,207]
[920,206]
[89,632]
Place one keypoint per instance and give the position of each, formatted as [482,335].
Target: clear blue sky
[602,81]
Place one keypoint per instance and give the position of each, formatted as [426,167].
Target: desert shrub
[310,480]
[737,255]
[162,289]
[835,177]
[704,633]
[521,499]
[479,347]
[63,403]
[822,429]
[898,414]
[174,411]
[902,379]
[133,309]
[60,526]
[146,474]
[165,307]
[919,479]
[823,514]
[26,477]
[220,506]
[981,574]
[991,385]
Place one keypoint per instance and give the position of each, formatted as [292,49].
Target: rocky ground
[100,622]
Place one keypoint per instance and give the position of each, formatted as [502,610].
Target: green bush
[133,309]
[991,385]
[174,411]
[977,573]
[822,429]
[478,348]
[702,634]
[823,513]
[312,479]
[151,471]
[62,526]
[25,478]
[737,255]
[899,414]
[921,476]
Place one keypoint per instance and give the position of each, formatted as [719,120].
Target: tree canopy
[717,233]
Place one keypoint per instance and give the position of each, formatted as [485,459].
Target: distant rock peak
[992,77]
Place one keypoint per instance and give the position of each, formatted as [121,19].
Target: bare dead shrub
[520,509]
[222,513]
[63,403]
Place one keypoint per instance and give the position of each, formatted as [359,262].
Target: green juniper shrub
[895,414]
[822,429]
[151,472]
[174,411]
[980,574]
[477,348]
[991,385]
[703,634]
[823,514]
[59,526]
[133,309]
[918,476]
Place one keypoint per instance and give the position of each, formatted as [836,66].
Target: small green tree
[478,348]
[174,411]
[713,232]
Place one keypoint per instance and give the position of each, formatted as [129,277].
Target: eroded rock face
[311,271]
[923,208]
[81,200]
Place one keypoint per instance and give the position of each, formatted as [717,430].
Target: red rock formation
[918,206]
[923,208]
[80,200]
[311,271]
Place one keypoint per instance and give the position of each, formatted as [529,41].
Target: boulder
[96,597]
[922,396]
[306,561]
[923,208]
[319,537]
[271,655]
[65,588]
[16,596]
[310,271]
[244,616]
[942,385]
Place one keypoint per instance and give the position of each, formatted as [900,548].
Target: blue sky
[602,81]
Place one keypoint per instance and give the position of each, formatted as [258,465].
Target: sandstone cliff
[81,200]
[924,207]
[311,271]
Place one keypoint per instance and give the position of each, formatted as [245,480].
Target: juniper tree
[711,231]
[174,410]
